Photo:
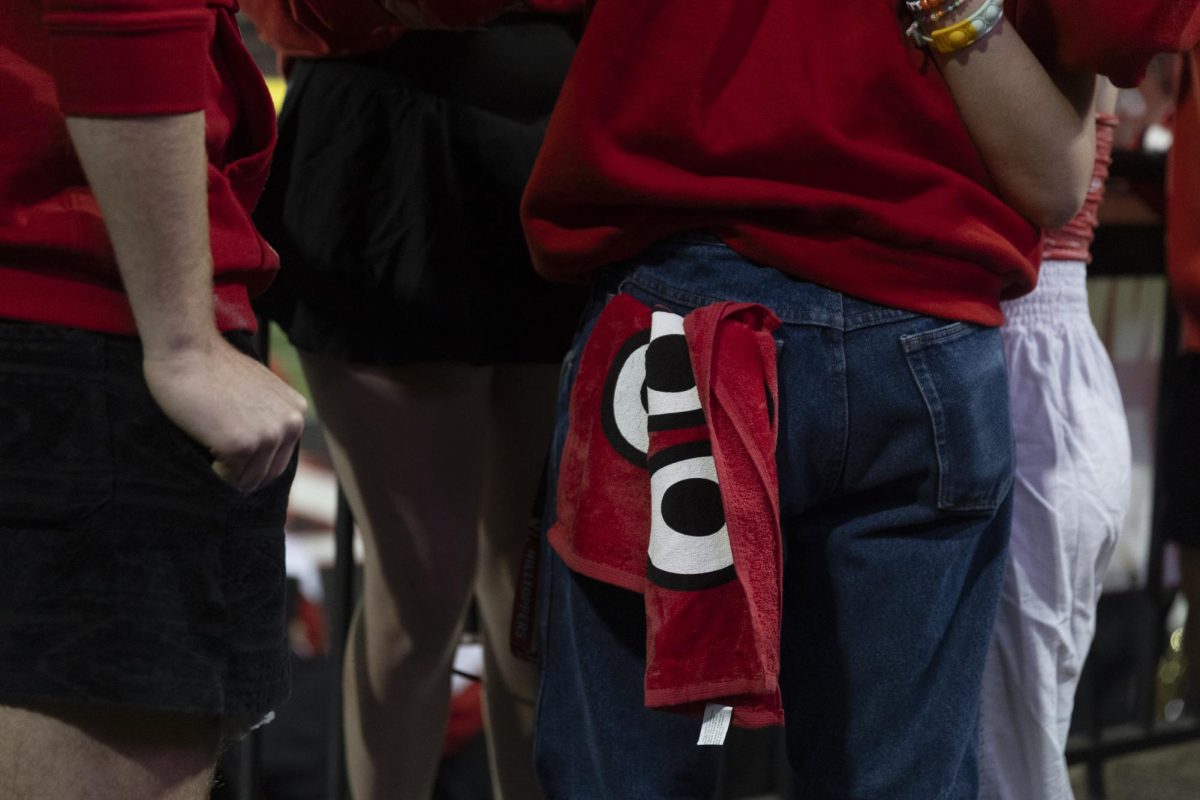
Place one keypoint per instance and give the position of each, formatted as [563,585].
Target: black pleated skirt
[394,200]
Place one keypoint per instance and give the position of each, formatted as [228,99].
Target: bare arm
[1106,96]
[1034,128]
[149,175]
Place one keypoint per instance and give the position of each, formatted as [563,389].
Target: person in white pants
[1070,496]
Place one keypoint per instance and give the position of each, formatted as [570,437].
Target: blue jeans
[895,471]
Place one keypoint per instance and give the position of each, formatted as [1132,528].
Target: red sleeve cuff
[131,64]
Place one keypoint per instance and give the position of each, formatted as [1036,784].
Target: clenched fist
[249,419]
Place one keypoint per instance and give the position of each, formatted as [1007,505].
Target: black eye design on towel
[689,540]
[623,415]
[669,377]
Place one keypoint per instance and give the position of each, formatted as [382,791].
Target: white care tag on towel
[716,724]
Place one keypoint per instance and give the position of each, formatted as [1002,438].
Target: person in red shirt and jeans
[145,455]
[880,194]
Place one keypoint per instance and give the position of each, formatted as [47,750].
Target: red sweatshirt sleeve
[129,57]
[1116,38]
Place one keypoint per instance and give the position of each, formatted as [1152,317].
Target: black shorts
[1181,462]
[130,574]
[394,200]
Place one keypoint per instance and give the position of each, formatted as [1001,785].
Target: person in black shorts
[145,454]
[432,350]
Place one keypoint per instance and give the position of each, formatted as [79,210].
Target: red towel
[667,486]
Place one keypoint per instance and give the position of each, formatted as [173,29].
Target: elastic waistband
[1060,294]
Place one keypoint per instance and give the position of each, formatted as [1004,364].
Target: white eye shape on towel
[689,540]
[623,415]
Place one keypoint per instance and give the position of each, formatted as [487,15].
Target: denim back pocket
[55,454]
[959,369]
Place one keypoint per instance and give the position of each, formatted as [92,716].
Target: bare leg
[75,753]
[408,446]
[520,424]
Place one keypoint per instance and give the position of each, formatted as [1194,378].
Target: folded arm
[1034,126]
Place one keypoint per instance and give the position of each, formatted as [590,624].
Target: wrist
[180,344]
[931,15]
[948,26]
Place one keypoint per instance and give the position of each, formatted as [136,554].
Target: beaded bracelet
[935,15]
[963,34]
[917,6]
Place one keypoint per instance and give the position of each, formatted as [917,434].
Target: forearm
[1034,130]
[149,176]
[1106,96]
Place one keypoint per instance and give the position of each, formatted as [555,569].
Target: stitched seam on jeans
[914,346]
[669,292]
[675,294]
[948,333]
[844,451]
[882,316]
[936,418]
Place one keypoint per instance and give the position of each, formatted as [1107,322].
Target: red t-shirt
[122,58]
[812,137]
